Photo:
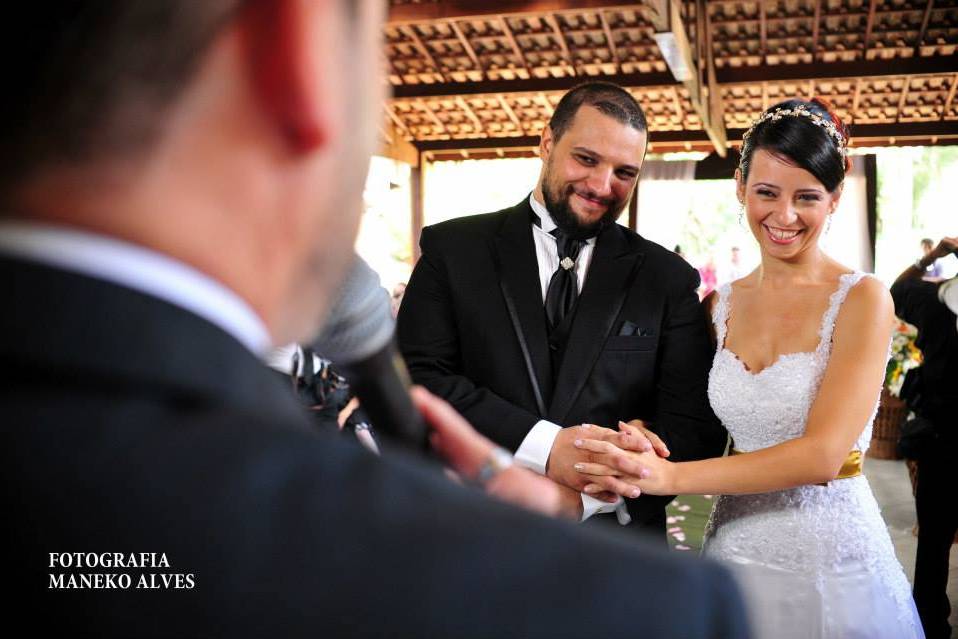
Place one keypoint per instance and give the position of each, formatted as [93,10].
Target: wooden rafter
[677,104]
[903,130]
[544,101]
[465,45]
[397,120]
[924,25]
[868,26]
[609,40]
[504,104]
[950,98]
[765,103]
[856,98]
[725,75]
[815,26]
[511,37]
[476,122]
[714,107]
[410,32]
[432,116]
[479,9]
[763,29]
[560,38]
[902,97]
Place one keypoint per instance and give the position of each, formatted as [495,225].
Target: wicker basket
[887,427]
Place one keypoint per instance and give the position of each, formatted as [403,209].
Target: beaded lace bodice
[815,530]
[769,407]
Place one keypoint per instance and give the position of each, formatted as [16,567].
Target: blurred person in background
[932,393]
[933,271]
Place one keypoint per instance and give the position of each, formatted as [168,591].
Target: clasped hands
[607,464]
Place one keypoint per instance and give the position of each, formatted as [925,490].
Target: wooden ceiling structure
[479,79]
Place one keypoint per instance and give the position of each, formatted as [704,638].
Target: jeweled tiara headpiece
[801,111]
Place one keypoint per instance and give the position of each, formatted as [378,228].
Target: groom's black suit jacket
[130,425]
[475,298]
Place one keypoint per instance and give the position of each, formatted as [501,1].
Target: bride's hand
[634,435]
[624,472]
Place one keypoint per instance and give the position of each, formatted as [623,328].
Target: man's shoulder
[471,225]
[664,263]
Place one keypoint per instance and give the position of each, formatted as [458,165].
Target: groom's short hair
[610,99]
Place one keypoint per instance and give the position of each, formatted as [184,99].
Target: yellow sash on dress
[851,468]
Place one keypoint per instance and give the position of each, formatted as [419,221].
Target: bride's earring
[828,224]
[741,214]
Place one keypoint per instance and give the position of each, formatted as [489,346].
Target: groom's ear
[545,143]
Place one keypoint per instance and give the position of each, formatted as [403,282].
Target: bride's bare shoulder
[870,298]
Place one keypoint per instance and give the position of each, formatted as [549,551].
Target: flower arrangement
[903,356]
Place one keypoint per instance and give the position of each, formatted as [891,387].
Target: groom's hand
[565,455]
[635,436]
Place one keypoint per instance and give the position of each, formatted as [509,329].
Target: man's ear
[285,77]
[545,143]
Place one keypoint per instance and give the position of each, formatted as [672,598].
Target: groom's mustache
[592,195]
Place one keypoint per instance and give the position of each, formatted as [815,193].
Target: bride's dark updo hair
[808,133]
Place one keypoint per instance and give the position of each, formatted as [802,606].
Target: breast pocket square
[630,329]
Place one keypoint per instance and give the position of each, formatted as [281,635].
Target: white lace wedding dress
[813,561]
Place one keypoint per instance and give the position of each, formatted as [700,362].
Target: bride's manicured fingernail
[636,492]
[590,489]
[577,443]
[578,467]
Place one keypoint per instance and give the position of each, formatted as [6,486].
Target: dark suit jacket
[475,297]
[130,425]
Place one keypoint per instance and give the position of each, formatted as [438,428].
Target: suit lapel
[613,267]
[519,280]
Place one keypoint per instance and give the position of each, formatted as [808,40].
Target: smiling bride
[801,347]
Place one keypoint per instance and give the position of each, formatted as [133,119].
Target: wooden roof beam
[900,130]
[610,40]
[950,98]
[479,9]
[510,36]
[397,121]
[432,116]
[727,75]
[868,27]
[466,46]
[902,97]
[815,26]
[763,30]
[504,104]
[924,26]
[856,98]
[476,122]
[563,45]
[410,32]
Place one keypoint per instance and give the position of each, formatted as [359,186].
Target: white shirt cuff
[533,452]
[592,506]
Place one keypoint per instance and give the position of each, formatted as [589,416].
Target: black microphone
[358,337]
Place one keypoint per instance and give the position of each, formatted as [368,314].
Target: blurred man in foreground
[181,187]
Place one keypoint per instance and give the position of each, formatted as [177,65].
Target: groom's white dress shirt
[533,452]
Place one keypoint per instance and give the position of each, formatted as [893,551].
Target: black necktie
[564,285]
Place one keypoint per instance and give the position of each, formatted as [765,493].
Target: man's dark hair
[610,99]
[91,78]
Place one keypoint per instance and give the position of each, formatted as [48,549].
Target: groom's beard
[565,218]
